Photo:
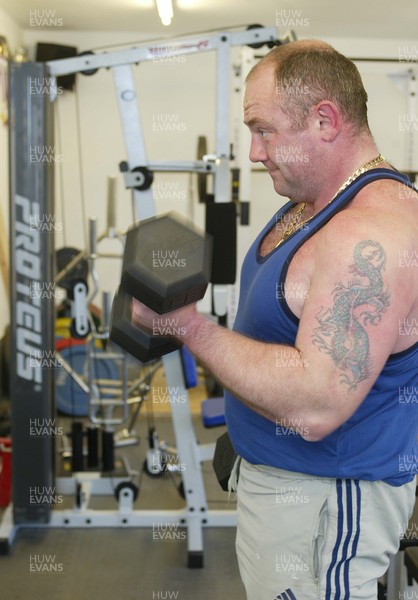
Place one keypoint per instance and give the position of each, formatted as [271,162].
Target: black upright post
[32,312]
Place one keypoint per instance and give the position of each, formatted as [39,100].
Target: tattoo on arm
[342,331]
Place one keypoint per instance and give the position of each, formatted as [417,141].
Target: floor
[127,564]
[117,565]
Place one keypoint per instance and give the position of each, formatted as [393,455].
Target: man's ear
[329,120]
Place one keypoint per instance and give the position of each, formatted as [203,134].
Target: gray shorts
[312,538]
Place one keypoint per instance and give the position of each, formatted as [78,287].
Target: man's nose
[258,152]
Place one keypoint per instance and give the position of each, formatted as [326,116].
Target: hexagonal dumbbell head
[166,262]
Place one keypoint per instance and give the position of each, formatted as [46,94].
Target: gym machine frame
[32,330]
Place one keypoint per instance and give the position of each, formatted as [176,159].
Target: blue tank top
[379,441]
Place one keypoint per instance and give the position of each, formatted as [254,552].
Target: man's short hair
[308,71]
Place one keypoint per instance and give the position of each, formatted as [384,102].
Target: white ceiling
[330,18]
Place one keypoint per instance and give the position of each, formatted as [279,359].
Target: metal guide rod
[92,237]
[223,69]
[111,206]
[222,179]
[243,134]
[222,186]
[158,50]
[92,259]
[73,374]
[106,310]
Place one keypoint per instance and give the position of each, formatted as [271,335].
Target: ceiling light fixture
[165,10]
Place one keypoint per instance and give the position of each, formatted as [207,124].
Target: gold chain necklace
[296,222]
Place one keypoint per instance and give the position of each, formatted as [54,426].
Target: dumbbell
[166,265]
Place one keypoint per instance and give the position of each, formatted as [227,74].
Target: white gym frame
[83,485]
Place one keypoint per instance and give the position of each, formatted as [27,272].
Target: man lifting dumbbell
[315,364]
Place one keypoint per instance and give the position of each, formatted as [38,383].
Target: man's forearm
[277,381]
[271,379]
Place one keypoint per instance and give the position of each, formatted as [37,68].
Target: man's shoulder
[378,228]
[390,189]
[385,208]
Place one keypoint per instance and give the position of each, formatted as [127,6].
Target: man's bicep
[346,329]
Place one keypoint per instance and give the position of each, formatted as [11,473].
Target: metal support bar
[157,51]
[32,259]
[131,179]
[187,451]
[143,202]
